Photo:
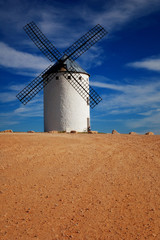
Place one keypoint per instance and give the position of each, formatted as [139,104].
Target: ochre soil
[79,186]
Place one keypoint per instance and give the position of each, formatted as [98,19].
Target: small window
[69,77]
[57,77]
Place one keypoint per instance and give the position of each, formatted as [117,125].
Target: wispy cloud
[22,113]
[150,112]
[139,103]
[61,21]
[16,87]
[11,58]
[93,58]
[152,63]
[152,122]
[114,16]
[35,109]
[145,95]
[108,85]
[9,123]
[56,21]
[32,109]
[6,97]
[8,94]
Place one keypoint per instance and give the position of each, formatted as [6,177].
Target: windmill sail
[35,86]
[81,85]
[85,42]
[42,42]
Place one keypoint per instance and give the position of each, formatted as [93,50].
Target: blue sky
[124,66]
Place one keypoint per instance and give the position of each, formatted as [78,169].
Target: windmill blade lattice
[85,42]
[94,98]
[35,86]
[72,53]
[82,87]
[42,42]
[85,90]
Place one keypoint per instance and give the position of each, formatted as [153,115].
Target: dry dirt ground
[79,186]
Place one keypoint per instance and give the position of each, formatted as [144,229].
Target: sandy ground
[79,186]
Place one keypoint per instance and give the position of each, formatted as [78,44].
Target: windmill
[67,93]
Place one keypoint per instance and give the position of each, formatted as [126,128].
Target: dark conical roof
[69,64]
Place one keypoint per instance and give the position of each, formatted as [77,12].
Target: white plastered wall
[64,108]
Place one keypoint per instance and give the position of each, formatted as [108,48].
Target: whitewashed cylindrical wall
[64,108]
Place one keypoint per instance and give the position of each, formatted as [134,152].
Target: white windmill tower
[67,93]
[64,108]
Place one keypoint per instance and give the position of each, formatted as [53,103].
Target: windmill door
[88,123]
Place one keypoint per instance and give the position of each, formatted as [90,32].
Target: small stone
[73,131]
[92,132]
[149,133]
[53,131]
[114,132]
[132,133]
[30,131]
[7,131]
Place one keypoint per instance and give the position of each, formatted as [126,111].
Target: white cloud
[129,96]
[32,109]
[4,122]
[152,63]
[6,97]
[56,19]
[138,104]
[9,95]
[11,58]
[150,112]
[107,85]
[16,87]
[93,58]
[35,109]
[116,15]
[152,121]
[15,116]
